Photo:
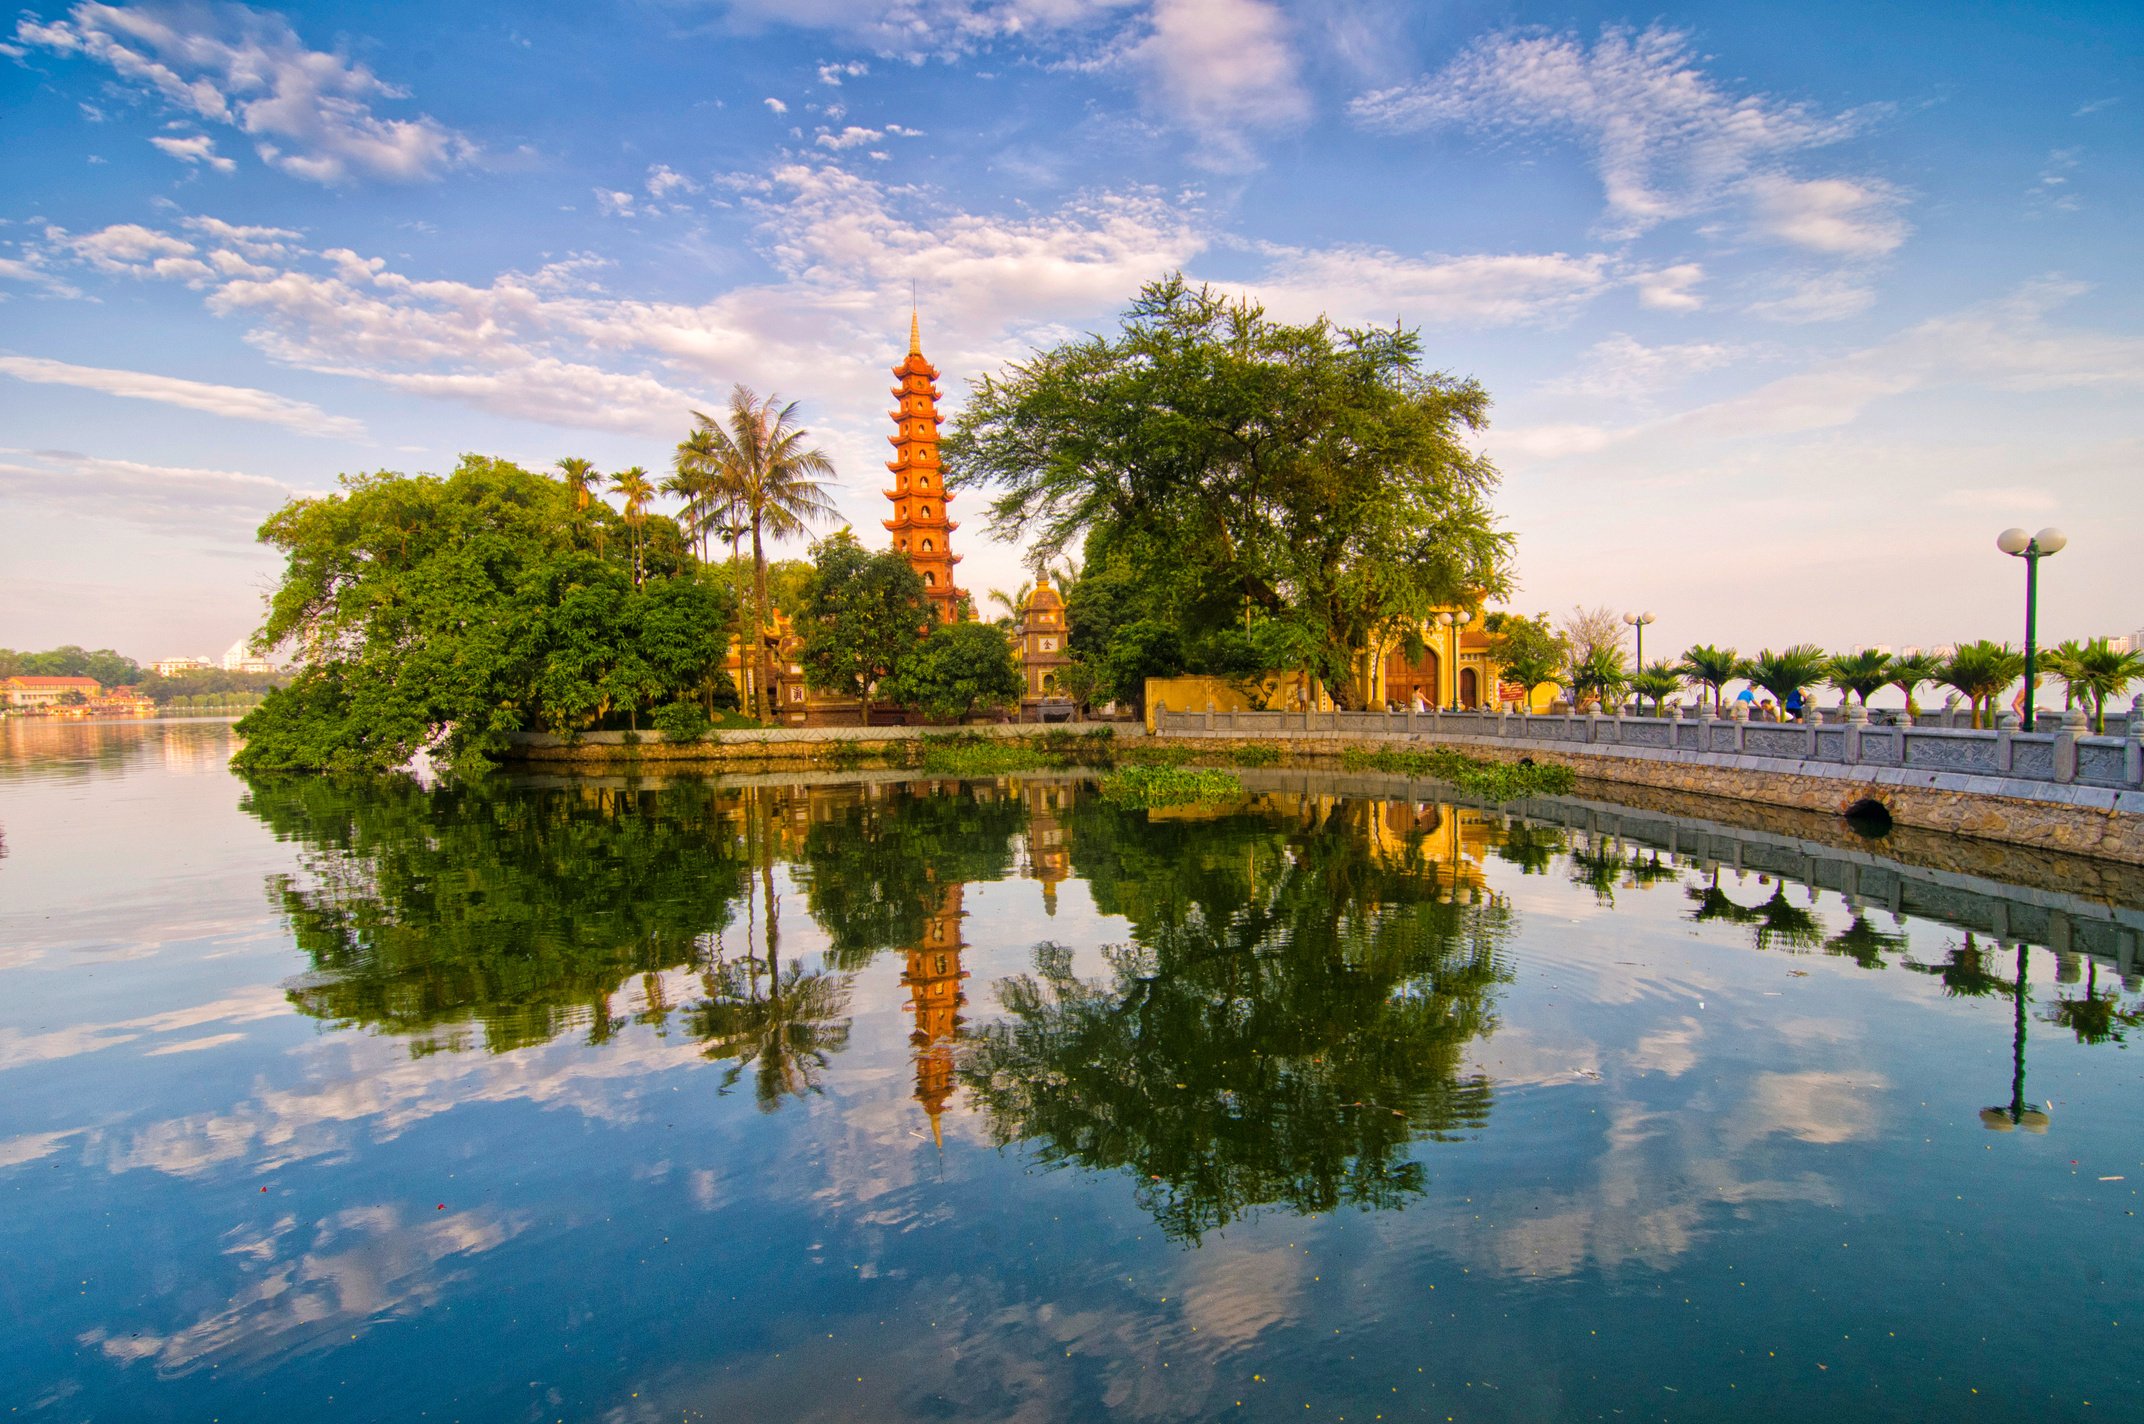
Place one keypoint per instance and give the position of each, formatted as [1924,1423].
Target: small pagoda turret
[919,525]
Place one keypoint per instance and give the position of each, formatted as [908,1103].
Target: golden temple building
[1042,643]
[919,525]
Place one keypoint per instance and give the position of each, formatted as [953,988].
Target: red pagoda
[919,526]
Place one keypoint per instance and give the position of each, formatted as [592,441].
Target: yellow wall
[1191,694]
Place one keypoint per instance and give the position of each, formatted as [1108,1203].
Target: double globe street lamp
[1454,621]
[1638,621]
[2031,548]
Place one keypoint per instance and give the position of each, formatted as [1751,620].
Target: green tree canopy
[450,612]
[861,613]
[959,668]
[1313,476]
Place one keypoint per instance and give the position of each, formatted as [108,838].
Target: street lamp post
[1454,622]
[1638,621]
[2031,548]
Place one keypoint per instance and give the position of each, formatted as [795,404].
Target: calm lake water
[598,1099]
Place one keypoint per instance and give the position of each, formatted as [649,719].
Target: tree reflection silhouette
[786,1034]
[1291,1014]
[873,867]
[516,910]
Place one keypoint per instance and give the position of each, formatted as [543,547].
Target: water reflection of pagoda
[1049,859]
[933,978]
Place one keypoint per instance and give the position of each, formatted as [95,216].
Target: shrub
[1168,786]
[1498,781]
[680,721]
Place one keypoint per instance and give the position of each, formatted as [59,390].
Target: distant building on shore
[179,667]
[239,658]
[35,694]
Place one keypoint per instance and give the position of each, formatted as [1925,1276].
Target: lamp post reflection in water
[2017,1112]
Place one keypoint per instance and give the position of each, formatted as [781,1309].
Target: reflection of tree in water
[1598,866]
[786,1033]
[1531,846]
[874,867]
[1863,943]
[517,910]
[1964,971]
[1292,1014]
[1775,923]
[2097,1017]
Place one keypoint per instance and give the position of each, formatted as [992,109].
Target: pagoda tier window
[928,546]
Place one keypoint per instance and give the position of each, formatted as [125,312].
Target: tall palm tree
[1859,673]
[694,487]
[774,477]
[2098,673]
[1786,674]
[634,487]
[1711,667]
[579,477]
[1981,670]
[1908,672]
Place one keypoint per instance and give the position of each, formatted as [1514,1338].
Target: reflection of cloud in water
[374,1086]
[246,1006]
[361,1266]
[30,1146]
[1665,1172]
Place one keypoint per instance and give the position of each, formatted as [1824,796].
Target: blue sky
[1787,309]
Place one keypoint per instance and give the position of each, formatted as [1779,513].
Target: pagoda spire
[921,531]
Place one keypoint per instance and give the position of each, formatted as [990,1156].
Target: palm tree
[2061,663]
[2100,673]
[771,474]
[1859,673]
[1980,671]
[578,476]
[1785,674]
[694,485]
[1908,672]
[1013,603]
[1711,667]
[1599,672]
[1656,682]
[635,489]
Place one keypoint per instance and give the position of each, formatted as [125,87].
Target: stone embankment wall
[2080,820]
[780,748]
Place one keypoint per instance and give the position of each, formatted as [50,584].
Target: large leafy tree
[763,461]
[1311,476]
[1528,651]
[959,668]
[861,613]
[450,612]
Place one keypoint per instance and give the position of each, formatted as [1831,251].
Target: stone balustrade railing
[2065,757]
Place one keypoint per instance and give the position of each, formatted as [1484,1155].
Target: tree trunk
[760,693]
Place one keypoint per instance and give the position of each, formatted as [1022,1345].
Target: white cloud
[663,180]
[309,112]
[834,73]
[122,247]
[1624,368]
[1226,69]
[30,269]
[157,497]
[1666,140]
[1830,215]
[235,402]
[1670,288]
[2052,191]
[616,203]
[776,105]
[196,148]
[850,137]
[1369,285]
[1831,296]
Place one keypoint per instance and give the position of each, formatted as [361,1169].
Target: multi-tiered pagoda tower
[919,526]
[933,980]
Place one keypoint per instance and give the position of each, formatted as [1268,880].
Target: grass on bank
[970,754]
[1499,781]
[1169,785]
